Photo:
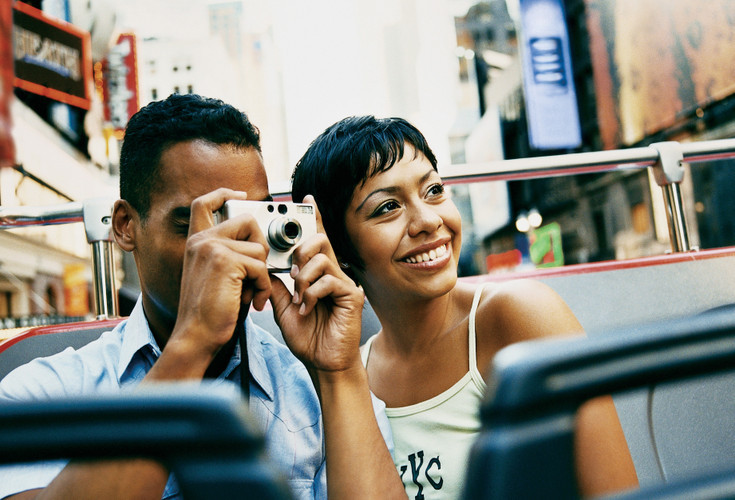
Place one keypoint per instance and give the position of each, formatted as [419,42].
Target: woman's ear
[124,223]
[348,270]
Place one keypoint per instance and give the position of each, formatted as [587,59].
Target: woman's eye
[436,190]
[385,208]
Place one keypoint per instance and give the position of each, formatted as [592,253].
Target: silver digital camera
[284,225]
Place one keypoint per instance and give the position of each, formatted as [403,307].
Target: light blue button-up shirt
[282,398]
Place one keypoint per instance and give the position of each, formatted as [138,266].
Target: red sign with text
[7,147]
[51,57]
[120,89]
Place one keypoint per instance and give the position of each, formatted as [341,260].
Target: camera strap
[244,364]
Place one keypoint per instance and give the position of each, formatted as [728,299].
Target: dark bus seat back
[525,449]
[203,435]
[47,340]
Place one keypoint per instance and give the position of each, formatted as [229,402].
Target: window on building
[154,94]
[6,304]
[189,89]
[51,300]
[176,68]
[176,89]
[188,67]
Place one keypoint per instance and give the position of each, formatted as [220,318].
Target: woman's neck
[409,326]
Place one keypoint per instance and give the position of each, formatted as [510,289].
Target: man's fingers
[240,235]
[255,277]
[241,262]
[203,207]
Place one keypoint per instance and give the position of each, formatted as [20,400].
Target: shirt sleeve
[18,478]
[23,384]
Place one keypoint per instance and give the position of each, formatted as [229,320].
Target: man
[182,158]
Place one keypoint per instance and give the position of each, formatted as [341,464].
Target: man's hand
[223,270]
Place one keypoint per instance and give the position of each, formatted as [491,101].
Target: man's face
[188,170]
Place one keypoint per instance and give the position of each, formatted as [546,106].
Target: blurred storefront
[50,128]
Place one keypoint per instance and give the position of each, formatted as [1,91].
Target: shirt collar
[137,335]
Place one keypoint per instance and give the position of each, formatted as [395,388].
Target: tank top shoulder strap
[472,337]
[365,350]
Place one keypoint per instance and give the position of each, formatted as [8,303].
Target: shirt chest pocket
[293,439]
[302,489]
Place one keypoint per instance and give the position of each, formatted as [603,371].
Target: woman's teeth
[427,256]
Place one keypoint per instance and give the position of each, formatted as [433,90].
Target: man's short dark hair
[346,155]
[161,124]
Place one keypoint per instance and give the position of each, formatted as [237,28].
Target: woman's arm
[604,464]
[525,310]
[321,324]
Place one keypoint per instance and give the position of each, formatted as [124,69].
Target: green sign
[546,249]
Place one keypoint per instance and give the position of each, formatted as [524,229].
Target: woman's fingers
[319,226]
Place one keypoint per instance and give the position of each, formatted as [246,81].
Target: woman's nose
[424,218]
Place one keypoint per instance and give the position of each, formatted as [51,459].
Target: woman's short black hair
[342,158]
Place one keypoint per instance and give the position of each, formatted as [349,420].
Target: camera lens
[291,229]
[283,233]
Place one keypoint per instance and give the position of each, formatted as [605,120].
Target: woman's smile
[436,257]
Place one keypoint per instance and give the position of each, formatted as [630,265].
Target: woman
[398,234]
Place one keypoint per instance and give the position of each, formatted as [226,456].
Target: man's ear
[125,220]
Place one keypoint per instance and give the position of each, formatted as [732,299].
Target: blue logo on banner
[551,102]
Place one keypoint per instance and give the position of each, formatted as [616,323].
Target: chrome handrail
[96,214]
[663,158]
[12,217]
[580,163]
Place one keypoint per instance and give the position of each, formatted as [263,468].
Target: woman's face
[407,231]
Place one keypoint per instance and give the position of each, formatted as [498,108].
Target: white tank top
[433,438]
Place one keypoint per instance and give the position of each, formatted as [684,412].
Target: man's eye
[181,227]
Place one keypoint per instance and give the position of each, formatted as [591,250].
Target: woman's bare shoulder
[524,309]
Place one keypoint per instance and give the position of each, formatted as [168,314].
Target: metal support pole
[668,173]
[96,213]
[97,224]
[678,233]
[105,291]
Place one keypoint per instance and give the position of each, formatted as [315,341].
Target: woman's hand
[321,322]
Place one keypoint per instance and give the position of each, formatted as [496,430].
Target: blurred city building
[296,67]
[642,72]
